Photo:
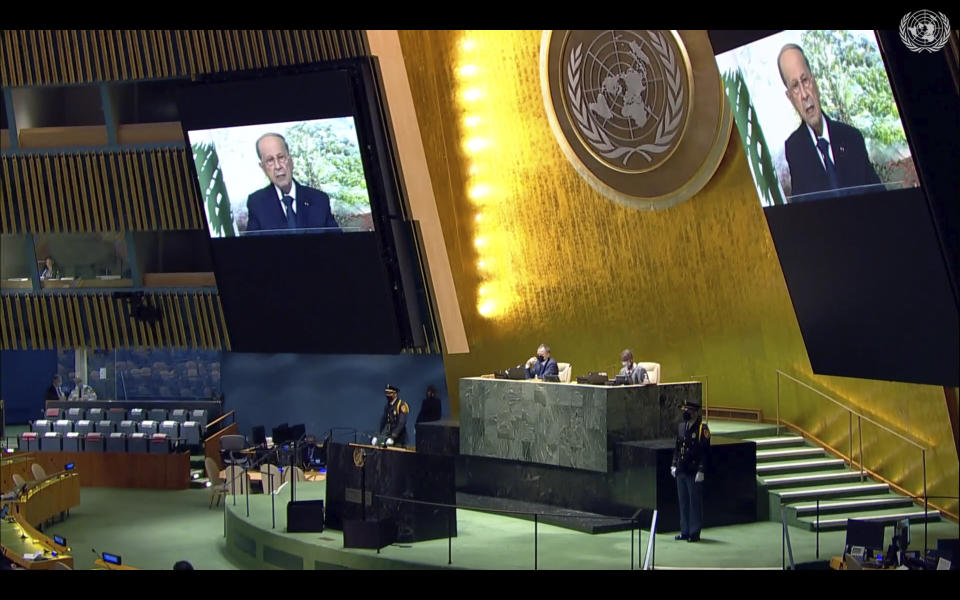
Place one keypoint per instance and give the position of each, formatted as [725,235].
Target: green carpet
[487,541]
[149,529]
[154,529]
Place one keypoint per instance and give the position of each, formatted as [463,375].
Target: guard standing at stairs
[689,462]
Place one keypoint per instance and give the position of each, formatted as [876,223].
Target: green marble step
[888,516]
[802,514]
[809,479]
[811,493]
[765,443]
[806,465]
[833,491]
[741,430]
[779,454]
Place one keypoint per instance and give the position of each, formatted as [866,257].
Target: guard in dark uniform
[689,461]
[393,423]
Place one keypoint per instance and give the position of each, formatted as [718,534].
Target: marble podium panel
[565,425]
[392,473]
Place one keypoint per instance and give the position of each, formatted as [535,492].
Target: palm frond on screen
[758,154]
[214,190]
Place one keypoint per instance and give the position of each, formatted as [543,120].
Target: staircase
[794,472]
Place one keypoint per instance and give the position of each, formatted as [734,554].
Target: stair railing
[860,418]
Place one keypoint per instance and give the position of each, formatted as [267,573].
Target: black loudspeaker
[369,534]
[259,435]
[305,515]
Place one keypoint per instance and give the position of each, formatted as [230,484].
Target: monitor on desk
[297,432]
[113,559]
[867,534]
[281,433]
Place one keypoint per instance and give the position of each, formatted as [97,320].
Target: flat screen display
[278,178]
[817,116]
[868,534]
[113,559]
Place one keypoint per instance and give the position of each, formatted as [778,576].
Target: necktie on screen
[288,209]
[824,147]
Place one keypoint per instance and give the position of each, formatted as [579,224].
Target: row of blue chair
[117,415]
[187,429]
[51,441]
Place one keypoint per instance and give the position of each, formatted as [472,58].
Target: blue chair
[137,442]
[63,426]
[50,442]
[159,444]
[117,442]
[71,442]
[93,442]
[41,425]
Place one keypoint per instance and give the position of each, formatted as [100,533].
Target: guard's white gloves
[373,442]
[673,472]
[698,478]
[389,442]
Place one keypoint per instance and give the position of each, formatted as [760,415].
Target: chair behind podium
[231,445]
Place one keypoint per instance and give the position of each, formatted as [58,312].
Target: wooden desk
[840,563]
[53,495]
[141,470]
[257,476]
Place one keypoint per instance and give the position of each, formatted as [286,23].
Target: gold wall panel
[104,191]
[98,320]
[41,57]
[697,288]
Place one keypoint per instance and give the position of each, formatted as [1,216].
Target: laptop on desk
[593,378]
[516,373]
[511,373]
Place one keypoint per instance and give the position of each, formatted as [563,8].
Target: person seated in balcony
[82,391]
[50,269]
[55,391]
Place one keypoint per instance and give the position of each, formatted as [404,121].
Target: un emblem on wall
[623,105]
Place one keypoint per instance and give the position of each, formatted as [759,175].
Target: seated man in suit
[542,365]
[822,154]
[285,204]
[55,391]
[633,372]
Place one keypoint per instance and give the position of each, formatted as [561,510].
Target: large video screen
[292,177]
[817,116]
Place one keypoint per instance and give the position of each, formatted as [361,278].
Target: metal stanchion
[535,522]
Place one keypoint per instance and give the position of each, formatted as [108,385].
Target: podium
[359,475]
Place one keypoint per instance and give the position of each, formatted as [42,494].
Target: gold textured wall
[696,287]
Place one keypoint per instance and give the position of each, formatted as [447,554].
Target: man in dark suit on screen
[823,154]
[285,204]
